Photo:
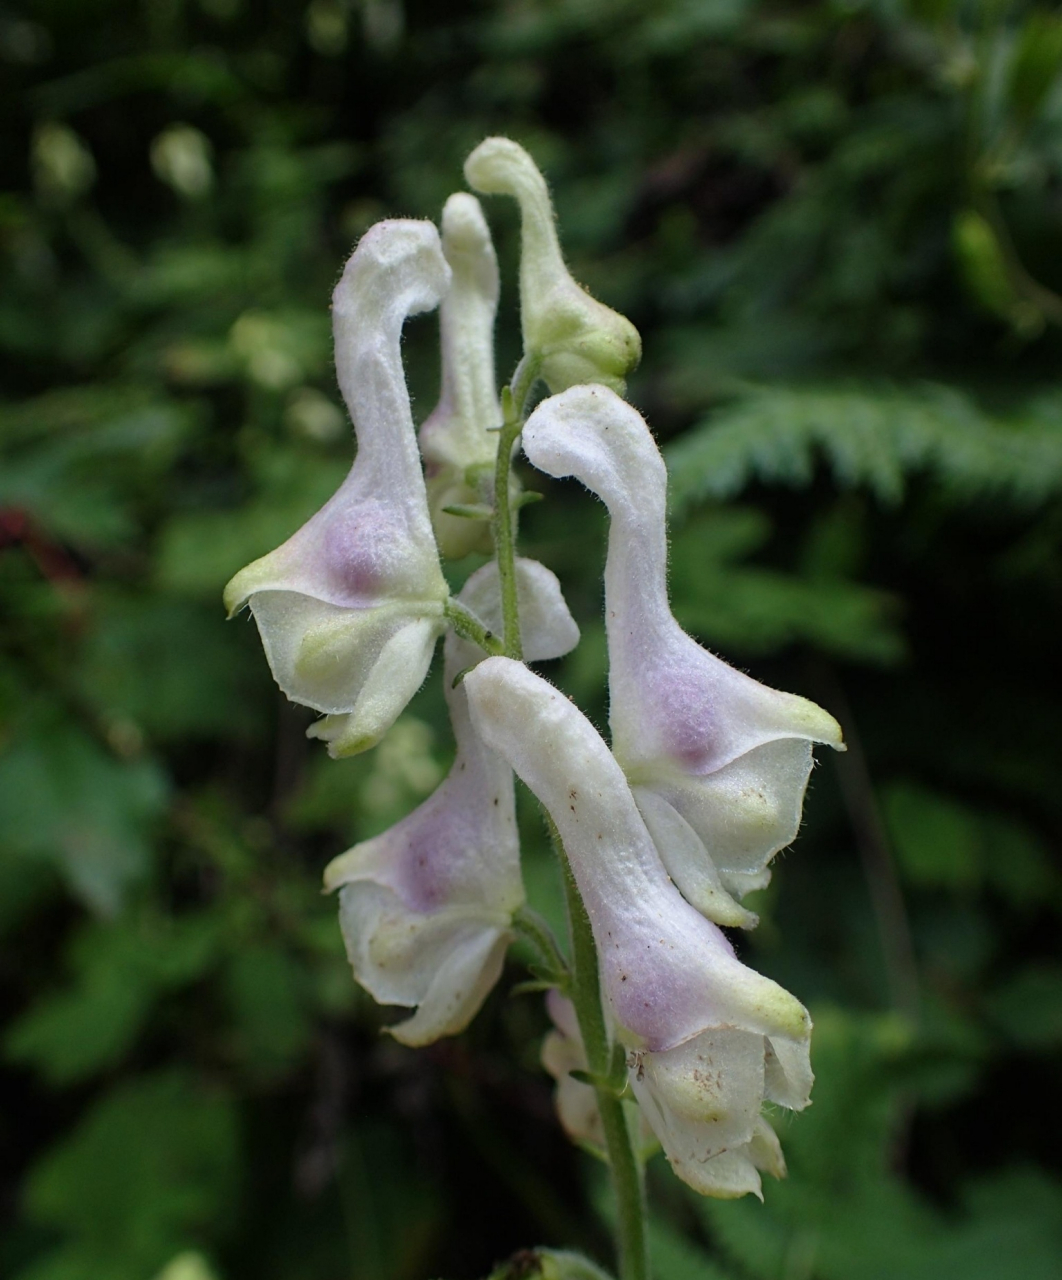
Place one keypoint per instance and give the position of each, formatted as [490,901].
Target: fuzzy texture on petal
[669,976]
[717,760]
[574,337]
[426,907]
[359,585]
[458,446]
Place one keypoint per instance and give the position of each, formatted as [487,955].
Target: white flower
[350,607]
[426,907]
[458,447]
[709,1039]
[718,762]
[573,337]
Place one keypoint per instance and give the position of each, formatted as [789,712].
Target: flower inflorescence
[663,832]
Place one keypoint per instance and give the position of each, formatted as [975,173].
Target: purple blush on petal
[362,553]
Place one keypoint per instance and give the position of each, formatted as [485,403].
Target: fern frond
[869,437]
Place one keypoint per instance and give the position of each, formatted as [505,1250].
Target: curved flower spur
[458,447]
[350,607]
[426,907]
[718,763]
[709,1039]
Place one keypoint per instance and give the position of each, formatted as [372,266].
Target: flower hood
[350,607]
[719,763]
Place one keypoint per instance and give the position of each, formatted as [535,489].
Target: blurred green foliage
[836,223]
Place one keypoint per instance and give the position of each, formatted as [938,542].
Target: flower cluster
[664,830]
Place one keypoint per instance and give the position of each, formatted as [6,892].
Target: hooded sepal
[349,608]
[669,976]
[719,762]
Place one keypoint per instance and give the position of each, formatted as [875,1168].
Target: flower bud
[569,337]
[459,450]
[709,1038]
[350,607]
[718,762]
[426,907]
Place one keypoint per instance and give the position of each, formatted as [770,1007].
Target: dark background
[837,225]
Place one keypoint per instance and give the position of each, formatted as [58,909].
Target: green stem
[502,528]
[530,925]
[586,996]
[514,401]
[469,627]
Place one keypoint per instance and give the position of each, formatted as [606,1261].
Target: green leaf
[75,460]
[170,667]
[149,1167]
[1028,1007]
[266,998]
[66,800]
[121,970]
[759,610]
[1035,63]
[871,437]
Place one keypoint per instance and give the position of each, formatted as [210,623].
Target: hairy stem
[530,925]
[586,996]
[502,528]
[469,627]
[583,980]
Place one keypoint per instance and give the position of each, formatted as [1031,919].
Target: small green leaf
[470,511]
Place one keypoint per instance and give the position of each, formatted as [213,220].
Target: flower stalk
[661,1034]
[628,1184]
[584,986]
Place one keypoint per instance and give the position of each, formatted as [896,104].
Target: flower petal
[347,587]
[667,972]
[546,624]
[397,672]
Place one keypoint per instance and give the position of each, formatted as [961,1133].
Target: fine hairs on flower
[662,831]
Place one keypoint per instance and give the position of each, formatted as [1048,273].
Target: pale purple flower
[709,1039]
[350,607]
[456,439]
[426,907]
[718,762]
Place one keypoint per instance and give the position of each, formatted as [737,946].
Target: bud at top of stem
[569,337]
[458,446]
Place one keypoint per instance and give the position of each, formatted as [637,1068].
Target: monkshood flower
[426,907]
[350,607]
[569,336]
[718,762]
[458,446]
[709,1039]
